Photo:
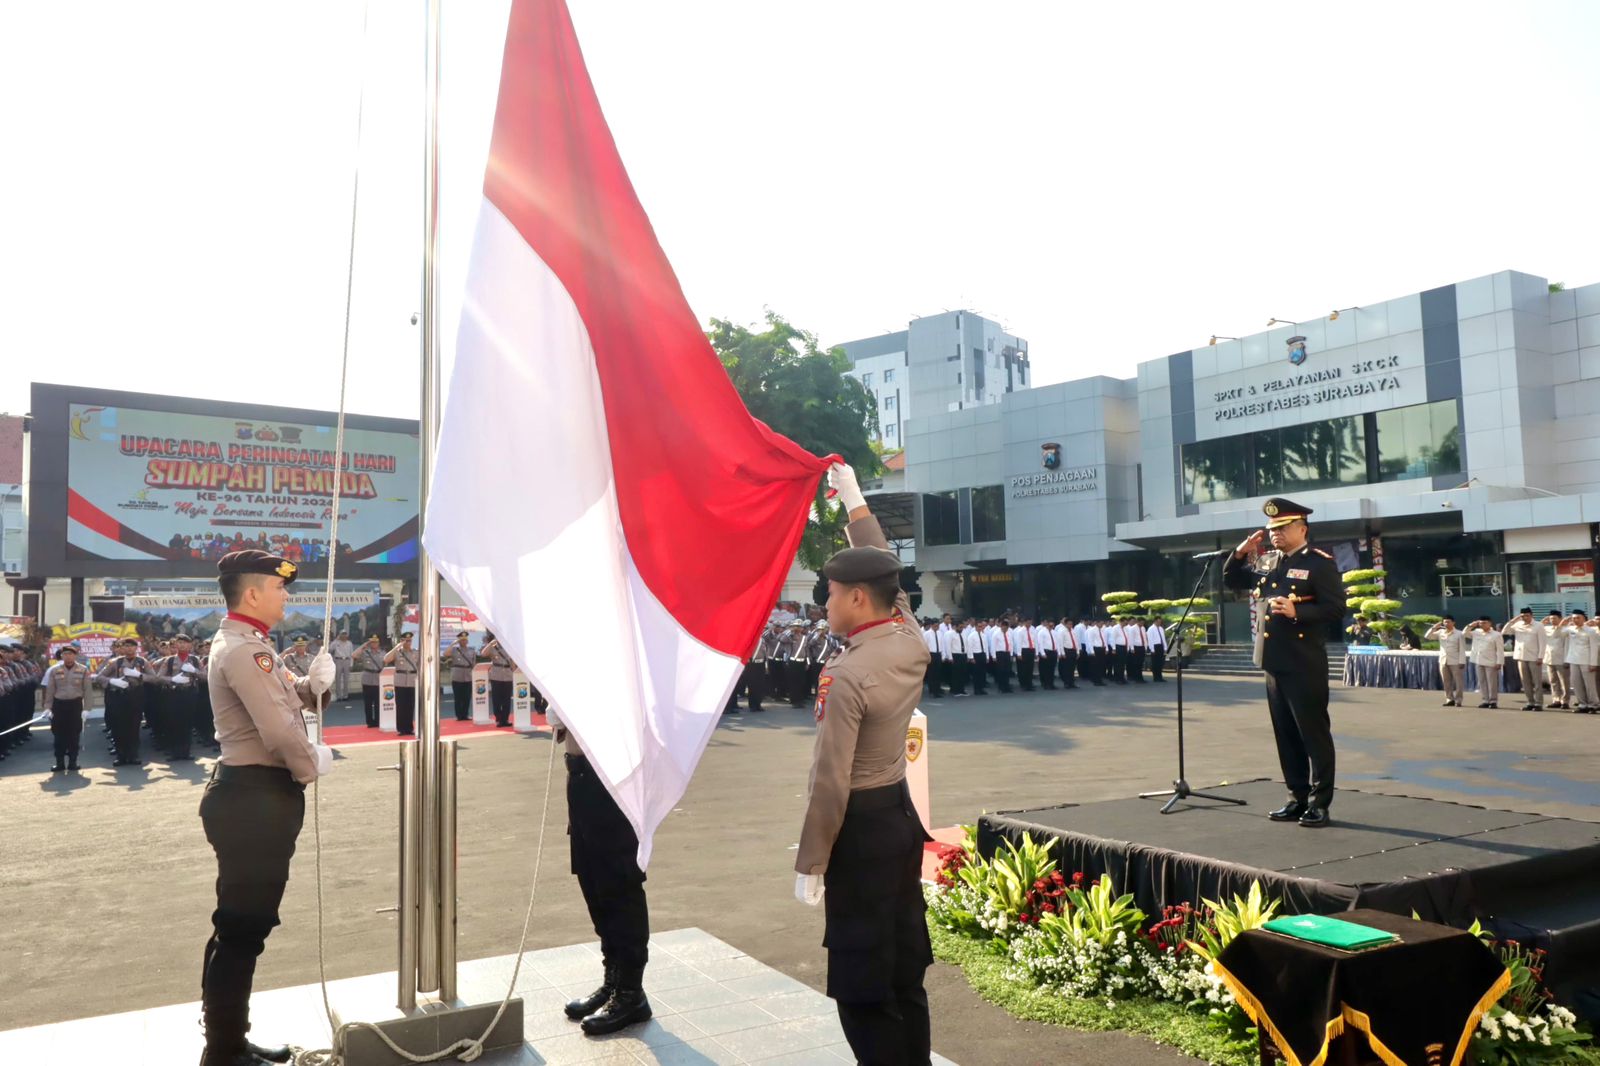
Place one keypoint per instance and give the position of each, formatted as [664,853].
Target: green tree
[800,390]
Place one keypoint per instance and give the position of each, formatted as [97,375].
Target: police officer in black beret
[1299,589]
[860,851]
[254,805]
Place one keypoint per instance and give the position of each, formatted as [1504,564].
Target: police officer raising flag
[861,844]
[1299,587]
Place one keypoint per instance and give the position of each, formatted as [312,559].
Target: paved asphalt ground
[107,879]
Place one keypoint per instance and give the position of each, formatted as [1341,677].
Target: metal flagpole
[427,797]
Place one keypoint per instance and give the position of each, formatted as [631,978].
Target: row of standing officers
[979,652]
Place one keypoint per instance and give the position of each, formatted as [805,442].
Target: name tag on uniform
[1299,575]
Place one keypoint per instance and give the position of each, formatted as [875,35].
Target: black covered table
[1417,1000]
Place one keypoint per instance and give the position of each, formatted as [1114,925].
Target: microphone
[1218,554]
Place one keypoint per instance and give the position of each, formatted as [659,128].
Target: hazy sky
[1114,182]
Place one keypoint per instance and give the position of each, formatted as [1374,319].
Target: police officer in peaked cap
[1299,588]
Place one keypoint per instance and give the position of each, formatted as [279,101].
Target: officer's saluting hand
[862,839]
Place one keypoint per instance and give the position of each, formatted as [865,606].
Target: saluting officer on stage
[1304,597]
[461,660]
[255,802]
[861,844]
[370,661]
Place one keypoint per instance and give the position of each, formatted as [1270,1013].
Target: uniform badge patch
[822,697]
[1300,575]
[914,742]
[264,661]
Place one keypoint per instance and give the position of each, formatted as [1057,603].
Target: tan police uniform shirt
[298,662]
[369,660]
[461,659]
[404,661]
[865,696]
[63,682]
[500,664]
[257,703]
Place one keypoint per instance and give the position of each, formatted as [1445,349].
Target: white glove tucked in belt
[808,889]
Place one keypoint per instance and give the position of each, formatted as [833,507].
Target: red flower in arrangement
[951,861]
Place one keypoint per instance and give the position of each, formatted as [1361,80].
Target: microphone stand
[1180,789]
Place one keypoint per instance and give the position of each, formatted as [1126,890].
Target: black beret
[253,561]
[854,565]
[1280,512]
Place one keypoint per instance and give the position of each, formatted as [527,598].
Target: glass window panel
[941,518]
[988,513]
[1419,441]
[1321,455]
[1269,463]
[1214,470]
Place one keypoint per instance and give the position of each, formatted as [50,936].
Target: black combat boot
[627,1005]
[580,1009]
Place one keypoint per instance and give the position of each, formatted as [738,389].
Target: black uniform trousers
[979,669]
[958,672]
[813,672]
[605,861]
[66,728]
[1298,701]
[1047,668]
[370,702]
[794,677]
[1117,659]
[930,676]
[1158,662]
[877,932]
[1136,665]
[182,705]
[122,714]
[461,696]
[252,817]
[1025,669]
[1067,664]
[755,682]
[500,701]
[405,711]
[1002,670]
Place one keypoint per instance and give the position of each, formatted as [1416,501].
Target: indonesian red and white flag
[601,497]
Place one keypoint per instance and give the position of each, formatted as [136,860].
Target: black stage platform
[1527,877]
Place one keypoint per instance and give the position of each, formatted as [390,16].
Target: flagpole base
[435,1027]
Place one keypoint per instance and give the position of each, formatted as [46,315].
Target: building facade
[1451,437]
[945,362]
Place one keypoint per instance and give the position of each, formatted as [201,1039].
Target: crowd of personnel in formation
[156,693]
[1009,652]
[1562,651]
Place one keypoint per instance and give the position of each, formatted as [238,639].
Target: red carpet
[339,736]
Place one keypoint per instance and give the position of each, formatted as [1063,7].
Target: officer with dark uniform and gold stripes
[861,844]
[1298,587]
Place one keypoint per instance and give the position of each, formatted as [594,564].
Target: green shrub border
[1166,1023]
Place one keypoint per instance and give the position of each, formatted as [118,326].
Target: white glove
[180,679]
[808,887]
[321,673]
[842,480]
[324,759]
[118,682]
[129,672]
[188,668]
[49,716]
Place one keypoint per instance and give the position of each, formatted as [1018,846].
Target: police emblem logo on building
[1297,350]
[1050,456]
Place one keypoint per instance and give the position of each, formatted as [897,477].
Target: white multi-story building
[944,362]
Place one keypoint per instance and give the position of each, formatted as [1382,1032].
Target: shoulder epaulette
[1322,553]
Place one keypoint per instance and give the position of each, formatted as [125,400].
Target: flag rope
[466,1049]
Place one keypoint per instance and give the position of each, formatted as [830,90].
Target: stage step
[1235,660]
